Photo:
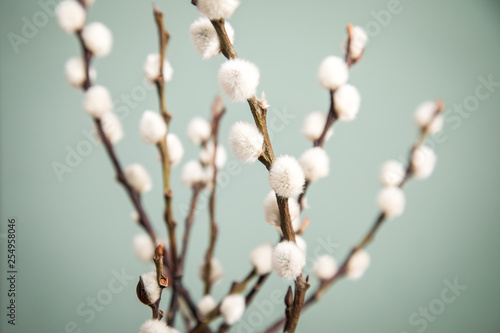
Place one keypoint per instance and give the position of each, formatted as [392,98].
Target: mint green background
[73,234]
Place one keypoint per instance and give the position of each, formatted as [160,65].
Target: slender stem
[288,307]
[87,58]
[189,223]
[286,226]
[226,46]
[332,113]
[330,120]
[256,287]
[218,111]
[259,113]
[164,37]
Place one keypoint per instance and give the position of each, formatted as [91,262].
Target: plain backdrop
[75,232]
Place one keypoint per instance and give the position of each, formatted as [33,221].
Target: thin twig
[218,110]
[256,287]
[188,224]
[332,113]
[164,37]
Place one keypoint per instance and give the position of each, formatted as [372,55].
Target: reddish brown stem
[218,111]
[188,224]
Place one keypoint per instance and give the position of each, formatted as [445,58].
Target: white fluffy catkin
[315,163]
[261,259]
[423,161]
[144,247]
[75,72]
[154,326]
[232,308]
[70,15]
[112,127]
[391,201]
[138,178]
[217,9]
[192,173]
[205,37]
[152,68]
[206,304]
[333,72]
[392,173]
[359,38]
[347,101]
[358,264]
[286,177]
[207,153]
[239,79]
[98,38]
[152,127]
[150,284]
[314,125]
[246,141]
[175,149]
[288,260]
[271,210]
[97,101]
[199,130]
[425,117]
[325,267]
[216,271]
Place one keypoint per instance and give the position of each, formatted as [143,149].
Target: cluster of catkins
[239,79]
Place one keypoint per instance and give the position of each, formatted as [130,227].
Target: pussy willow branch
[332,113]
[259,113]
[164,37]
[218,110]
[134,196]
[368,238]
